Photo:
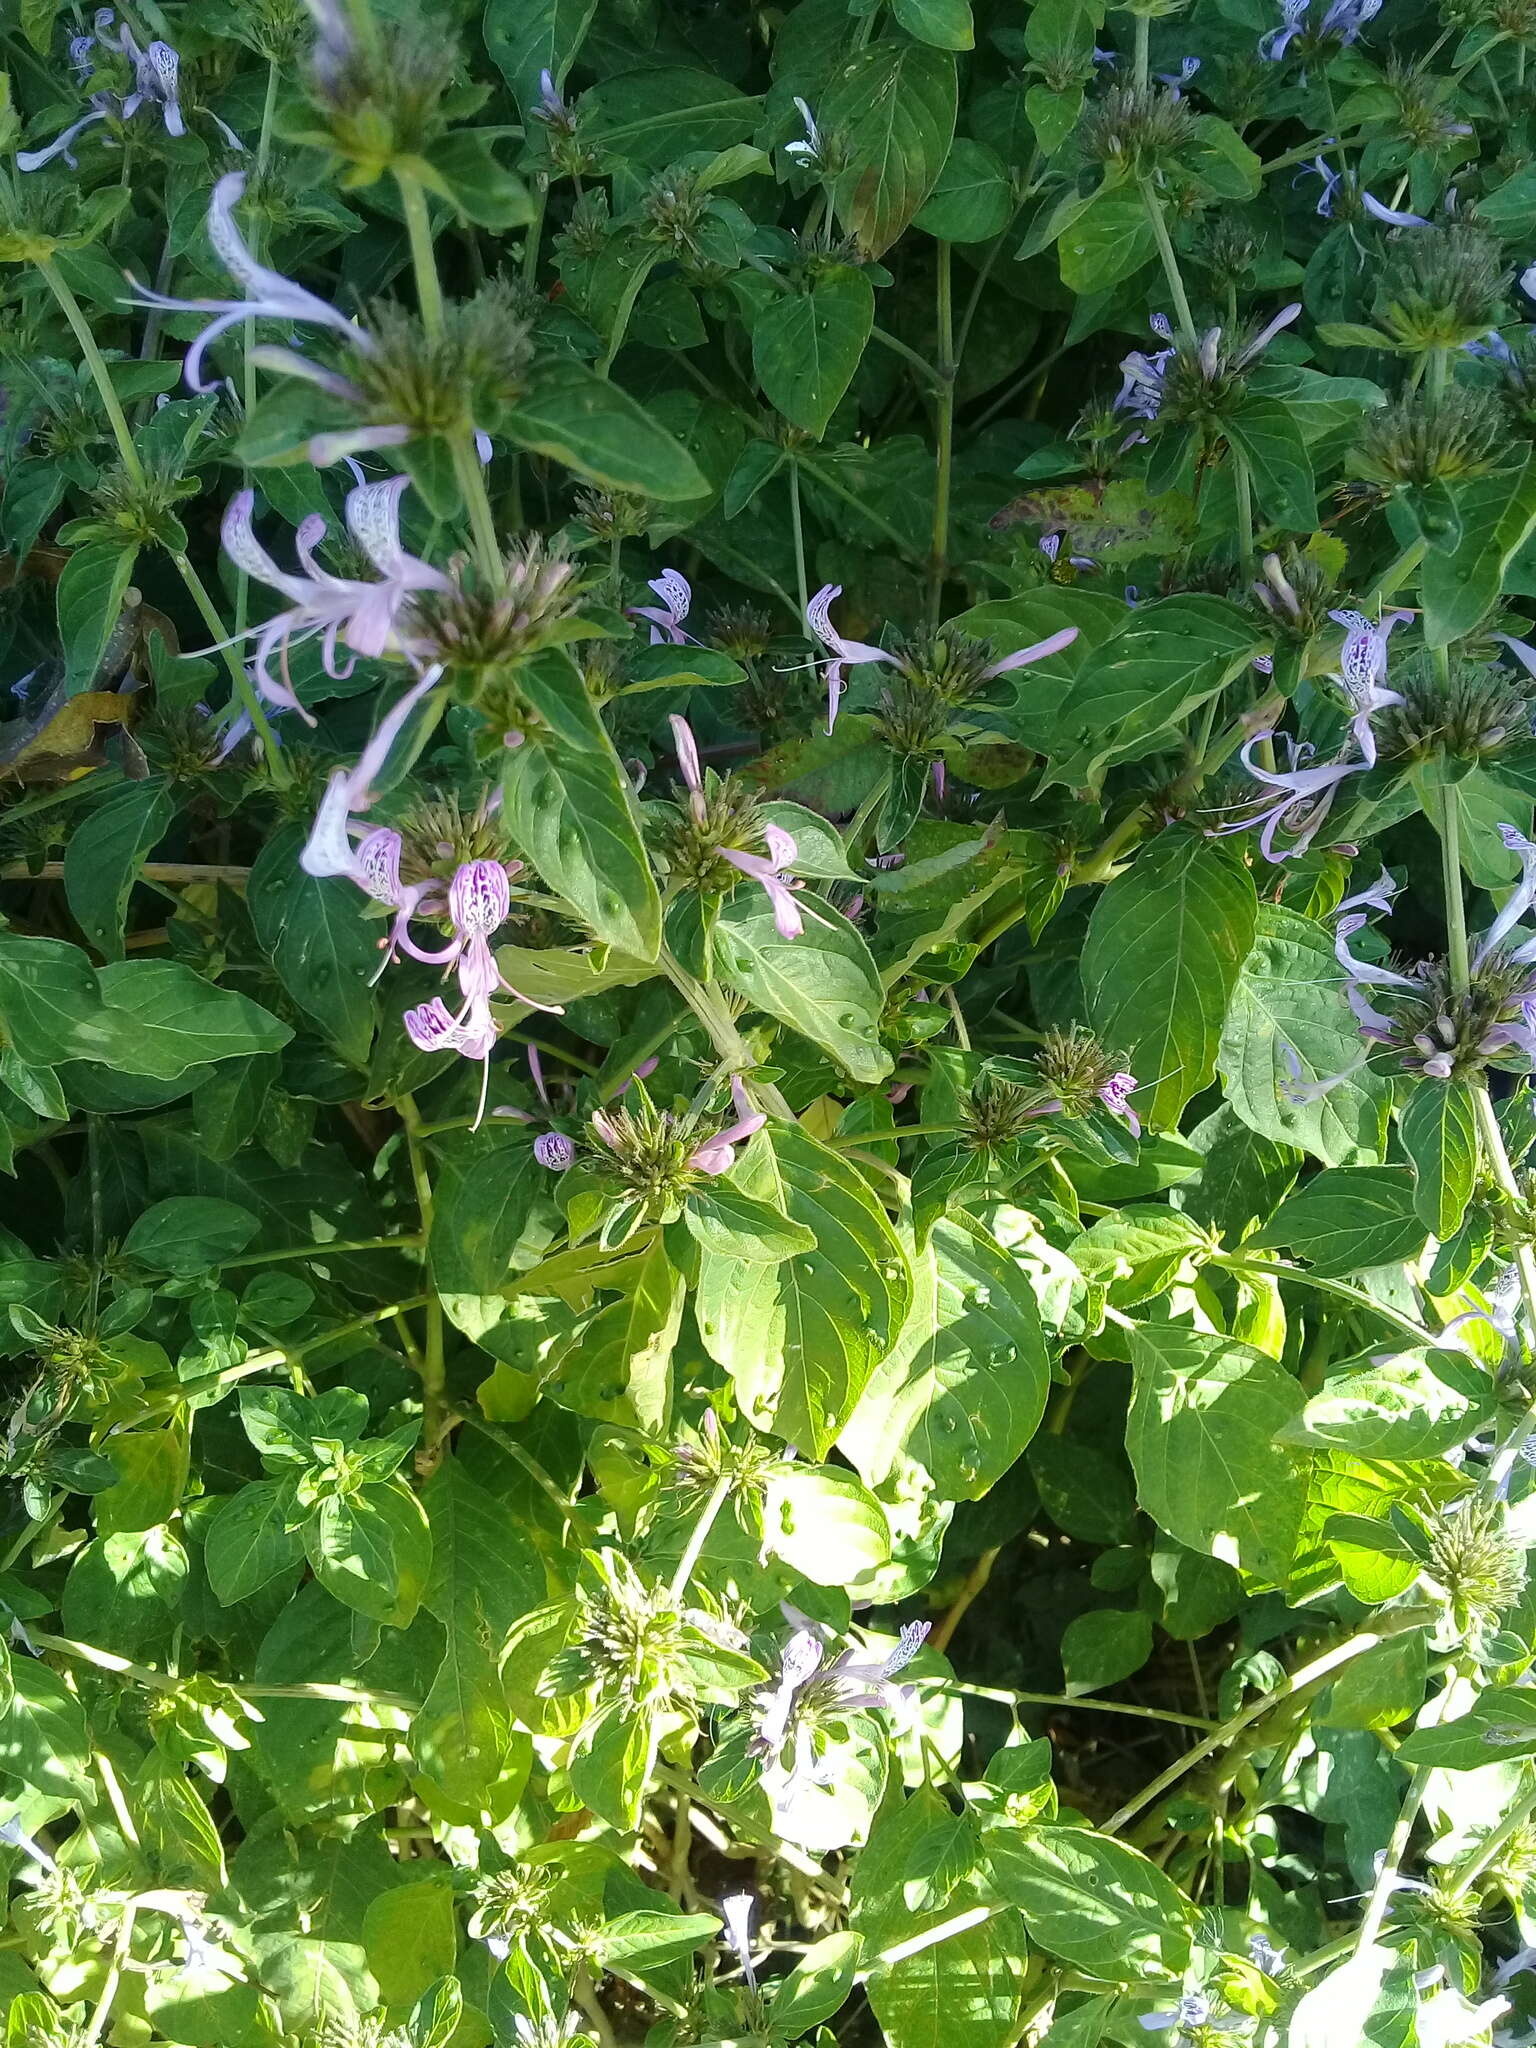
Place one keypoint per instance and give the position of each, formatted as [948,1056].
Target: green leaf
[823,1524]
[1102,1647]
[1133,688]
[480,187]
[1349,1219]
[1201,1437]
[1271,441]
[800,1339]
[735,1226]
[571,812]
[411,1936]
[618,1365]
[528,37]
[816,1987]
[964,1388]
[1439,1134]
[484,1195]
[1289,1006]
[189,1234]
[946,24]
[1412,1405]
[486,1576]
[165,1018]
[823,984]
[50,1003]
[655,115]
[106,850]
[893,104]
[1109,241]
[1166,941]
[973,199]
[43,1739]
[1500,1728]
[1496,516]
[807,345]
[962,1992]
[598,430]
[90,596]
[250,1540]
[1092,1901]
[373,1550]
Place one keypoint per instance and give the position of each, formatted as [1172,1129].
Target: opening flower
[666,619]
[720,815]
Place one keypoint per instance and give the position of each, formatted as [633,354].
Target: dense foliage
[767,1002]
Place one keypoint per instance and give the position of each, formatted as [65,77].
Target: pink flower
[431,1027]
[667,618]
[1362,672]
[1304,796]
[717,1155]
[767,871]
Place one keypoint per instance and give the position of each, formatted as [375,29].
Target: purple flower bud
[554,1150]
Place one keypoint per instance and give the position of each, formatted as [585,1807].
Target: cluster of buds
[1473,1560]
[719,837]
[1136,129]
[1474,713]
[1441,287]
[655,1155]
[1079,1074]
[636,1646]
[482,634]
[1421,440]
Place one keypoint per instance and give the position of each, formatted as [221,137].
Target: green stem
[1457,955]
[434,1375]
[696,1542]
[1100,864]
[1236,1262]
[535,233]
[945,451]
[429,298]
[1394,575]
[625,307]
[1307,1675]
[325,1251]
[1005,1696]
[272,755]
[1184,319]
[802,584]
[95,362]
[1143,42]
[898,347]
[1243,485]
[1488,1850]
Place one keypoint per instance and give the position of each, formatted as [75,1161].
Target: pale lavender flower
[717,1155]
[1362,672]
[1521,897]
[332,49]
[818,616]
[479,903]
[806,153]
[807,1685]
[62,145]
[15,1836]
[328,850]
[737,1915]
[554,1150]
[770,871]
[338,608]
[1331,178]
[1389,216]
[1192,2010]
[1303,797]
[156,79]
[1264,1956]
[268,294]
[1050,547]
[666,619]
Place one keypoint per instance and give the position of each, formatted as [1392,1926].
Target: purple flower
[1362,672]
[328,850]
[667,618]
[737,1915]
[156,75]
[376,868]
[432,1027]
[1177,80]
[1521,897]
[1141,387]
[1389,216]
[1115,1096]
[1264,1956]
[268,294]
[1276,41]
[339,608]
[554,1150]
